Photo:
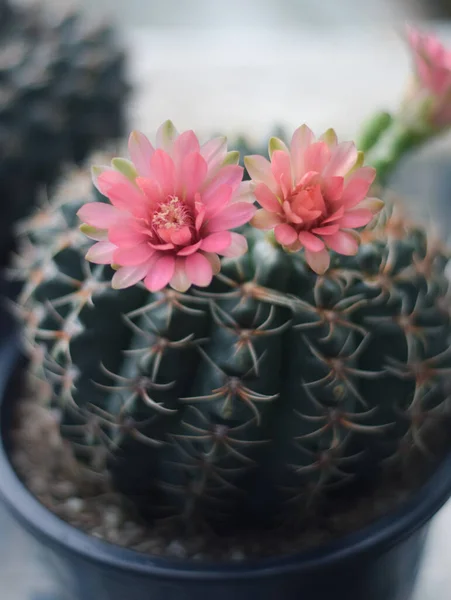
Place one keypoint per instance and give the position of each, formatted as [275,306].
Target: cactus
[62,90]
[254,396]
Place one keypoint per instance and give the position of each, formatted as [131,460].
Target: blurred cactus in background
[62,93]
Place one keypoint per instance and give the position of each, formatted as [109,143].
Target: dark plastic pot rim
[50,529]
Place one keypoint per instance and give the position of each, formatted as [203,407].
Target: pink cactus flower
[313,194]
[171,210]
[433,75]
[432,61]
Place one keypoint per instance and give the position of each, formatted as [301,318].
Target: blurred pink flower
[171,211]
[432,61]
[433,74]
[313,195]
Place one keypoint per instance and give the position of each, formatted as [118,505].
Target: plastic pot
[380,562]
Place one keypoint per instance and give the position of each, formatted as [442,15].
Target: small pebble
[56,413]
[150,546]
[38,485]
[130,527]
[112,517]
[114,537]
[177,549]
[63,489]
[198,556]
[74,505]
[21,461]
[131,533]
[96,534]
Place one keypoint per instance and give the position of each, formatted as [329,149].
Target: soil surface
[87,501]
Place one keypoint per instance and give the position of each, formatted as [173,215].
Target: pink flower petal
[244,193]
[182,236]
[316,157]
[310,178]
[163,171]
[127,276]
[186,143]
[141,151]
[354,192]
[166,135]
[199,270]
[335,215]
[190,249]
[318,199]
[375,205]
[333,188]
[126,233]
[122,193]
[343,243]
[413,36]
[214,261]
[293,217]
[96,171]
[217,242]
[99,214]
[356,218]
[318,261]
[310,241]
[93,233]
[126,167]
[326,229]
[276,143]
[163,233]
[200,211]
[302,138]
[265,220]
[259,169]
[133,256]
[231,158]
[180,281]
[151,191]
[285,234]
[267,199]
[238,246]
[218,201]
[110,178]
[342,159]
[161,273]
[366,173]
[232,216]
[330,137]
[101,253]
[229,175]
[192,175]
[214,152]
[281,169]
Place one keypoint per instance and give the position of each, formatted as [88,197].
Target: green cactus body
[250,398]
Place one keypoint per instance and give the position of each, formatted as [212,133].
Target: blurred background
[245,67]
[272,13]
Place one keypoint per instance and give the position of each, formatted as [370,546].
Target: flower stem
[391,146]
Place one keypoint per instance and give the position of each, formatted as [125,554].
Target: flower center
[307,205]
[171,214]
